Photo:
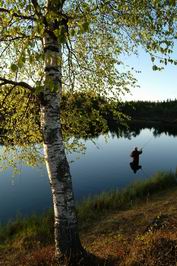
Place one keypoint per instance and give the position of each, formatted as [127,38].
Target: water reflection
[97,170]
[135,167]
[135,163]
[134,129]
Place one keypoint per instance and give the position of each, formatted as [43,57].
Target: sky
[154,85]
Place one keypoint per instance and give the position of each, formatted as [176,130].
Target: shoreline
[110,225]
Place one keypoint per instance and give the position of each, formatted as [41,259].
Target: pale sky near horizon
[154,85]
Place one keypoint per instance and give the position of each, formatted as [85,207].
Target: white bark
[66,232]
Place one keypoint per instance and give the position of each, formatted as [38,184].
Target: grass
[90,209]
[36,228]
[113,226]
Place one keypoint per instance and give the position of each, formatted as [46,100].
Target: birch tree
[49,45]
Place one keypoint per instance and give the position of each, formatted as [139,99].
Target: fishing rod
[147,142]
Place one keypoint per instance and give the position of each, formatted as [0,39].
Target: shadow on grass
[89,259]
[98,261]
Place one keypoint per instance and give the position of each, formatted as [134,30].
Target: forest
[87,114]
[151,111]
[96,113]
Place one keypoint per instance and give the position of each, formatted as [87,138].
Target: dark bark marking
[52,136]
[52,48]
[42,99]
[49,68]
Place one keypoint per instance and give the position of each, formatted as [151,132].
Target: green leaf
[85,26]
[172,2]
[14,67]
[154,67]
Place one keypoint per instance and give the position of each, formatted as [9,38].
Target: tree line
[96,113]
[83,115]
[147,111]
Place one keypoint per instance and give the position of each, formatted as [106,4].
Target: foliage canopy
[93,34]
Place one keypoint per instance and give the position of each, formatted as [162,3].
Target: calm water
[103,167]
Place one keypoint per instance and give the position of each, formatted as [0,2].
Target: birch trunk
[67,240]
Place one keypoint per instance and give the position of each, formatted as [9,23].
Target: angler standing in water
[135,163]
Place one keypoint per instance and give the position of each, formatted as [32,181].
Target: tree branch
[4,10]
[10,38]
[37,8]
[15,83]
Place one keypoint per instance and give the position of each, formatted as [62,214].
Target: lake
[104,166]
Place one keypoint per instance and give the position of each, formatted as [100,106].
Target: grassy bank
[90,209]
[109,225]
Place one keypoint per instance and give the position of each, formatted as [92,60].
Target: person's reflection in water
[135,167]
[135,163]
